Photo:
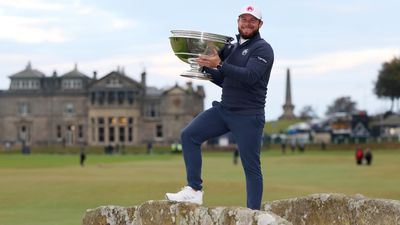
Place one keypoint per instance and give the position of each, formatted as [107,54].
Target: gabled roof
[175,90]
[28,72]
[126,82]
[75,73]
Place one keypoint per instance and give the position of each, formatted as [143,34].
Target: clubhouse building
[74,108]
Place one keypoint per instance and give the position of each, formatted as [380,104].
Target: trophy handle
[194,65]
[196,71]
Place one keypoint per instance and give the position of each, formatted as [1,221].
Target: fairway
[55,190]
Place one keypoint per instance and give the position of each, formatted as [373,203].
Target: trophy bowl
[188,45]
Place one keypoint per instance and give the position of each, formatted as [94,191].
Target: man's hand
[210,61]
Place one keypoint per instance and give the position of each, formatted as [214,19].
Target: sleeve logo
[261,59]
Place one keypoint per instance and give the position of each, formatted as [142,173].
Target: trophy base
[196,75]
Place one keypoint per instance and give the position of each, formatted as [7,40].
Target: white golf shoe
[187,194]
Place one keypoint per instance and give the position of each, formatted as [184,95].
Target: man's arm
[209,63]
[216,76]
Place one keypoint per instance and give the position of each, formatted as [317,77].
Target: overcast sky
[333,48]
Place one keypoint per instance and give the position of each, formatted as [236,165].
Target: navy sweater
[244,75]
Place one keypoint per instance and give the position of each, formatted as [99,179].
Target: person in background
[359,155]
[82,155]
[149,147]
[283,146]
[235,156]
[368,156]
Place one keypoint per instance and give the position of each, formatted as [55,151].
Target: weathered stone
[109,215]
[319,209]
[173,213]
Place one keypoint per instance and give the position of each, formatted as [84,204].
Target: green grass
[55,190]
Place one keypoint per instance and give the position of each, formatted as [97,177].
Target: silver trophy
[188,45]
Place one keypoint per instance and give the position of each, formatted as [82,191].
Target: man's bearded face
[248,25]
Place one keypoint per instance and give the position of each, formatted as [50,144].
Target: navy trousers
[247,131]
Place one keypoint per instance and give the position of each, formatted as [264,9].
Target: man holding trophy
[242,70]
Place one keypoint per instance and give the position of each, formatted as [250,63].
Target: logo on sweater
[245,52]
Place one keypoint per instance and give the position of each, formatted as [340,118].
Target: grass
[54,190]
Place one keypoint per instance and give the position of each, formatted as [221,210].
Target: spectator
[283,146]
[302,145]
[293,144]
[109,149]
[323,145]
[149,147]
[82,155]
[235,156]
[359,155]
[368,156]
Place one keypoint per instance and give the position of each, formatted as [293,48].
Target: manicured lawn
[55,190]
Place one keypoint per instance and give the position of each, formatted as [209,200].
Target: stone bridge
[316,209]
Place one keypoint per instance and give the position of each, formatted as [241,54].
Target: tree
[307,112]
[388,83]
[342,104]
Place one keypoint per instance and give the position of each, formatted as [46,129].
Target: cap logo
[250,9]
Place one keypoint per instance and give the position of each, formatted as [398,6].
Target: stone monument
[288,107]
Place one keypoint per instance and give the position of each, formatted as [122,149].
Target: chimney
[143,74]
[143,82]
[200,91]
[94,75]
[189,87]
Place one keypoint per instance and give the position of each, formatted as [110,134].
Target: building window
[130,134]
[102,96]
[100,121]
[101,134]
[130,121]
[130,129]
[130,97]
[25,84]
[69,109]
[122,121]
[93,97]
[112,121]
[159,132]
[59,132]
[113,82]
[80,131]
[23,108]
[152,110]
[111,134]
[72,84]
[111,97]
[122,134]
[121,97]
[93,125]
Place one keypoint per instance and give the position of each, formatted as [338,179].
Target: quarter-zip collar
[255,37]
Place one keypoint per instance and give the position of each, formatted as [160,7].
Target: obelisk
[288,107]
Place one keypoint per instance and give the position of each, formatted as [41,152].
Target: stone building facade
[73,108]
